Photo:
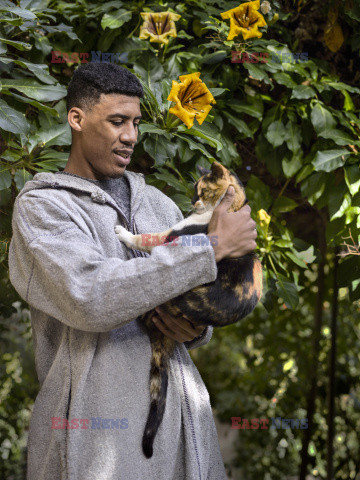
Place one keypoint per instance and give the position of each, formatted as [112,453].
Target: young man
[86,291]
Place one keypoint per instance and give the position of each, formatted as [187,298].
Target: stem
[332,371]
[281,192]
[161,53]
[273,266]
[138,23]
[313,373]
[172,120]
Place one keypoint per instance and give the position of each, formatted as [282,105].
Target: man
[86,291]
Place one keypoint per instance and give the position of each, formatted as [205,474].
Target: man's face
[105,136]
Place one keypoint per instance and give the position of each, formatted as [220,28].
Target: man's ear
[202,171]
[76,118]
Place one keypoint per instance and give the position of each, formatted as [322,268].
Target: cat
[233,295]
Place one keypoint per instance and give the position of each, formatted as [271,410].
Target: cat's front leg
[145,241]
[130,240]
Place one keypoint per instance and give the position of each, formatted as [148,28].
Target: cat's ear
[202,171]
[217,170]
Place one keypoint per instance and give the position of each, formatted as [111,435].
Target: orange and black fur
[233,295]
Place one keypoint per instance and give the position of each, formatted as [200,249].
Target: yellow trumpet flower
[192,98]
[158,26]
[246,20]
[263,217]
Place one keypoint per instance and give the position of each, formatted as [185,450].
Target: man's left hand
[176,328]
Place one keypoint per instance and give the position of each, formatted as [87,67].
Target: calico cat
[232,296]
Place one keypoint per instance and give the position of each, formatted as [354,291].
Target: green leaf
[35,103]
[182,201]
[18,45]
[41,71]
[171,180]
[352,178]
[63,29]
[11,120]
[151,128]
[307,256]
[11,155]
[59,134]
[159,148]
[239,124]
[258,194]
[303,92]
[284,79]
[217,91]
[21,177]
[149,68]
[338,203]
[5,178]
[254,110]
[22,12]
[206,131]
[276,133]
[215,57]
[195,146]
[339,137]
[329,160]
[293,136]
[284,204]
[296,260]
[348,103]
[257,72]
[287,291]
[36,90]
[184,152]
[322,119]
[115,20]
[313,186]
[292,166]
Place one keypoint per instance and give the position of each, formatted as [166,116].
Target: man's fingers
[176,325]
[178,335]
[228,199]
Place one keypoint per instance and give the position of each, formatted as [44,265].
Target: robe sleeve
[59,269]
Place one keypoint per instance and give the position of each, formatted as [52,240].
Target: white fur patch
[124,235]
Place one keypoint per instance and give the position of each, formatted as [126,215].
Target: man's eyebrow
[125,117]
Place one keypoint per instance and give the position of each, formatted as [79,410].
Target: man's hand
[176,328]
[235,231]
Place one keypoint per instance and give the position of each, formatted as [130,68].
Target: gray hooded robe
[85,290]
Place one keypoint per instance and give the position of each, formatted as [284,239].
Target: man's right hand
[234,232]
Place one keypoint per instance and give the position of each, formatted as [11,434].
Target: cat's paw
[119,229]
[124,235]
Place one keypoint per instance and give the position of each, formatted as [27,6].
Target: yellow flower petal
[192,98]
[185,116]
[245,19]
[158,26]
[264,217]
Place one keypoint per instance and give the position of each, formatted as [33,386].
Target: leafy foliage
[286,120]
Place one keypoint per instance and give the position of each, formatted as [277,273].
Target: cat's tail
[162,348]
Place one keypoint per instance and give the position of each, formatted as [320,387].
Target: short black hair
[92,79]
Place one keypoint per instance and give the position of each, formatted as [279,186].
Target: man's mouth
[123,156]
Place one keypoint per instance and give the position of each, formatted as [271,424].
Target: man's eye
[117,124]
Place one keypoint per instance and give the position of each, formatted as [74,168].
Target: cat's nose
[197,204]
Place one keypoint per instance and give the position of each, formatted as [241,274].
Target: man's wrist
[219,255]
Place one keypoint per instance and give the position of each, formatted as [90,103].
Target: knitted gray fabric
[86,291]
[118,188]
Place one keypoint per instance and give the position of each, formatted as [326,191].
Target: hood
[68,182]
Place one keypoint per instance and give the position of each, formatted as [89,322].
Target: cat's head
[211,188]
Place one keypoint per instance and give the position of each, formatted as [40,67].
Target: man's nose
[129,134]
